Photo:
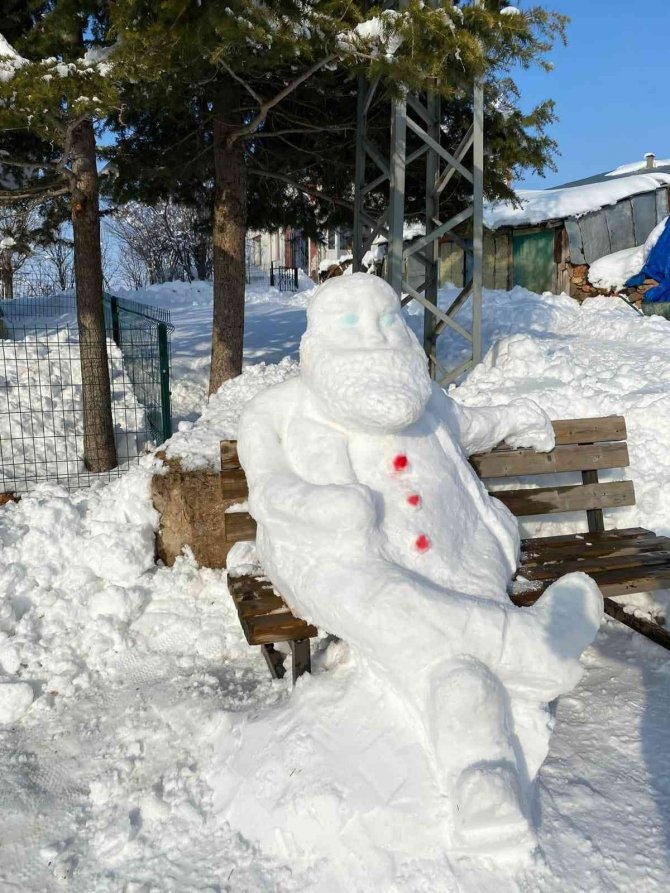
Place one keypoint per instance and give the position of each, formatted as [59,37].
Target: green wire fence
[41,410]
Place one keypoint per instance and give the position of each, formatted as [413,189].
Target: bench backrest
[582,445]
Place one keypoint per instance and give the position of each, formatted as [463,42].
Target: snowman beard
[376,390]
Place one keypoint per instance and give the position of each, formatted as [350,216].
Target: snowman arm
[522,423]
[279,496]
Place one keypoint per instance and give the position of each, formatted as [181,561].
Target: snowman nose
[374,334]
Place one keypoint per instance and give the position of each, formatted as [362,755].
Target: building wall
[624,225]
[497,261]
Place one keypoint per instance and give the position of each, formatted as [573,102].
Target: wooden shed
[549,240]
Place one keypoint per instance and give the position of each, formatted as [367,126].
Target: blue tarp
[657,267]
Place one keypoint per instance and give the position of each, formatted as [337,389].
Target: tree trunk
[230,212]
[99,445]
[7,278]
[200,258]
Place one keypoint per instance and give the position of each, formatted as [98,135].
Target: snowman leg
[478,758]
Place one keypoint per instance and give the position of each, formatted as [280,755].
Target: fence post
[116,326]
[295,274]
[164,364]
[272,272]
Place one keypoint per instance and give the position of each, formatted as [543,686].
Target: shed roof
[542,205]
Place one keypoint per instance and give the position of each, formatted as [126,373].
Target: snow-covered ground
[157,755]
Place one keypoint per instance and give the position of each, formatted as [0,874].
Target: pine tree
[53,87]
[247,87]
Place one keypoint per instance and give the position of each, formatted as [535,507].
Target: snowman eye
[349,319]
[388,319]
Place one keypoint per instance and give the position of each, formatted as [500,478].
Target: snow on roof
[539,205]
[637,166]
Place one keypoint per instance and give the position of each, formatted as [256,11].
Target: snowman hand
[329,508]
[531,427]
[342,507]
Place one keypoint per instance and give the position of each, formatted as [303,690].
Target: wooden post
[594,517]
[302,661]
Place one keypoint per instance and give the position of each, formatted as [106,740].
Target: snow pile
[41,408]
[614,270]
[375,528]
[572,201]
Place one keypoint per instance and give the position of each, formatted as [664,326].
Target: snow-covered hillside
[157,755]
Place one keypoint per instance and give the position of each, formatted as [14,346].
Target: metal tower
[421,116]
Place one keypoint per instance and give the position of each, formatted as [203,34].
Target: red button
[400,462]
[414,500]
[422,543]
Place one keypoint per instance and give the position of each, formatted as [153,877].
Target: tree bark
[99,444]
[229,230]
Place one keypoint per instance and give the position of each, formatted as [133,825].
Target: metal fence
[41,408]
[286,278]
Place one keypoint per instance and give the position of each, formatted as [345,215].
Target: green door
[534,260]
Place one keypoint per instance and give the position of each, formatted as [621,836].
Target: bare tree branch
[333,128]
[13,195]
[241,81]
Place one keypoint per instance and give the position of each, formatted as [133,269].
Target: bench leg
[302,660]
[275,661]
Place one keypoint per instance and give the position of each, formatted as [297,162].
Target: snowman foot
[570,611]
[543,643]
[488,813]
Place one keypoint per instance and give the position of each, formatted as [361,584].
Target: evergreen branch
[307,190]
[265,107]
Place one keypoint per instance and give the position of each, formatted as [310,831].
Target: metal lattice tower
[421,116]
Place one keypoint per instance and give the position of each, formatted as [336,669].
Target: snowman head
[360,358]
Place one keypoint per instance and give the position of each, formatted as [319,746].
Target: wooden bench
[620,561]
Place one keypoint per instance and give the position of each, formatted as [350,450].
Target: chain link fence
[41,408]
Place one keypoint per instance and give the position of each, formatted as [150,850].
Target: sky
[611,86]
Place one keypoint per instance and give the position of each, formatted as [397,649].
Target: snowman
[374,527]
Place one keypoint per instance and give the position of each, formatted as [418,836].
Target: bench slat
[247,583]
[594,430]
[594,565]
[234,484]
[257,605]
[567,539]
[230,461]
[511,463]
[277,628]
[239,526]
[582,550]
[623,581]
[580,497]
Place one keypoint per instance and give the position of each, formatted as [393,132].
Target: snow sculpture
[374,527]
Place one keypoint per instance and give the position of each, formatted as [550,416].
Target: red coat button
[422,543]
[400,462]
[414,500]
